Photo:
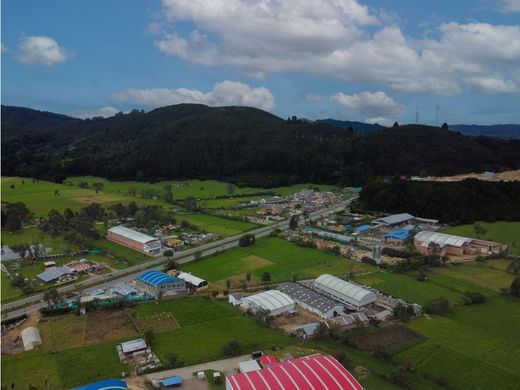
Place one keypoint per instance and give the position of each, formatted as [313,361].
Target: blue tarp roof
[107,384]
[362,228]
[171,381]
[156,278]
[400,234]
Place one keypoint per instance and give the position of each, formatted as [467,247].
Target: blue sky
[367,60]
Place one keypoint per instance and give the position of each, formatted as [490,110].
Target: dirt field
[11,339]
[287,323]
[107,325]
[501,176]
[392,338]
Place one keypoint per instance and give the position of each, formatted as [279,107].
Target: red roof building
[267,360]
[315,372]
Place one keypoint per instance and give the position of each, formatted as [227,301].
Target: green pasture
[279,257]
[221,226]
[39,197]
[33,234]
[503,232]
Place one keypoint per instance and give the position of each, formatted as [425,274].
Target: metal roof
[107,384]
[133,345]
[441,239]
[132,234]
[309,297]
[191,279]
[394,219]
[248,366]
[310,372]
[30,338]
[156,278]
[399,234]
[54,273]
[349,292]
[171,381]
[270,300]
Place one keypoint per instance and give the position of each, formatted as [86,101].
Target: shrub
[437,306]
[232,348]
[475,297]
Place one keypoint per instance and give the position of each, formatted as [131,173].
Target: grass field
[221,226]
[200,189]
[279,257]
[33,234]
[9,292]
[40,199]
[503,232]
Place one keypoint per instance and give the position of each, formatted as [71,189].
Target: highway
[34,302]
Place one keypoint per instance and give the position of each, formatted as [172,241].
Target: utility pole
[416,115]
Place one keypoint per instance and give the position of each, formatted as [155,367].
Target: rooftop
[132,234]
[53,274]
[394,219]
[441,239]
[133,345]
[269,300]
[351,292]
[310,297]
[156,278]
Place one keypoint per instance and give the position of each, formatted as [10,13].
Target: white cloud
[380,121]
[105,112]
[225,93]
[312,97]
[509,5]
[41,50]
[371,103]
[339,39]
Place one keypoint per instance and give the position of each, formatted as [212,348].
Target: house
[349,321]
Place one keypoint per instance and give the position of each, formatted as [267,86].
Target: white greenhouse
[352,295]
[276,302]
[31,338]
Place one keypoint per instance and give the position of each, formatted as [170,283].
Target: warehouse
[192,281]
[353,296]
[454,245]
[134,240]
[31,338]
[309,372]
[55,274]
[157,283]
[275,302]
[312,300]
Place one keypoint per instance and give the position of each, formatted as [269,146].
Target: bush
[232,348]
[246,240]
[437,306]
[474,297]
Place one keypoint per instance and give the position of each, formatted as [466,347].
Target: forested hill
[245,145]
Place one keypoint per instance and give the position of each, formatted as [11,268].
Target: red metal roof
[266,360]
[315,372]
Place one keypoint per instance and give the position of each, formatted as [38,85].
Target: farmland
[221,226]
[40,196]
[279,257]
[503,232]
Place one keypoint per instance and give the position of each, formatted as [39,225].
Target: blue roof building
[107,384]
[399,234]
[156,282]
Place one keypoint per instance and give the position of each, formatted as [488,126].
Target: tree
[266,277]
[168,253]
[98,187]
[168,193]
[293,222]
[132,208]
[437,306]
[479,229]
[246,240]
[395,125]
[13,222]
[83,184]
[197,255]
[149,337]
[232,348]
[172,359]
[248,277]
[231,188]
[160,295]
[56,192]
[51,296]
[471,297]
[190,203]
[228,284]
[515,287]
[444,126]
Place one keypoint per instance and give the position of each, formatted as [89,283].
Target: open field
[221,226]
[503,232]
[390,338]
[33,234]
[279,257]
[200,189]
[40,199]
[9,292]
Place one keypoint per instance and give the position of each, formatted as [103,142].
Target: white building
[193,281]
[135,240]
[276,302]
[353,296]
[31,338]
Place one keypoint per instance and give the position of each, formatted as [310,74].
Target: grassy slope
[222,226]
[503,232]
[40,199]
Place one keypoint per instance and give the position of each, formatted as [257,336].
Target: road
[34,302]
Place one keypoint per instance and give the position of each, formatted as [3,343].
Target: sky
[375,61]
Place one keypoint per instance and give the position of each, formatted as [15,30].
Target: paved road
[34,302]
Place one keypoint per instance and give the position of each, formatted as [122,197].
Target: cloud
[380,121]
[507,6]
[4,48]
[312,97]
[370,103]
[105,112]
[225,93]
[41,50]
[339,39]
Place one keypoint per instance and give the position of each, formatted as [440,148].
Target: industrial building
[158,283]
[352,295]
[310,372]
[107,384]
[31,338]
[135,240]
[55,274]
[454,245]
[404,219]
[275,302]
[349,321]
[192,281]
[312,300]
